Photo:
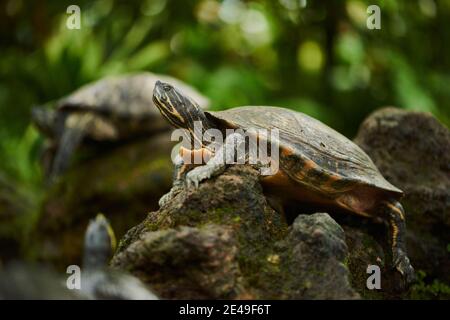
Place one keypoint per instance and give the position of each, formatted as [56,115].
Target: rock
[223,241]
[314,252]
[203,258]
[367,246]
[124,182]
[412,150]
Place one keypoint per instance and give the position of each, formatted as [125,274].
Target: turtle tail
[75,129]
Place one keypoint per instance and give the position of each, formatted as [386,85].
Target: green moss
[346,261]
[223,215]
[435,290]
[193,218]
[152,225]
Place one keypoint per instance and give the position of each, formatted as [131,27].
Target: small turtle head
[180,110]
[44,119]
[99,243]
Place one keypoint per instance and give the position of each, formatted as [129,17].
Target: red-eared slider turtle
[316,164]
[111,109]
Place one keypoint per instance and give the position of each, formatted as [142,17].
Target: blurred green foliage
[422,290]
[313,56]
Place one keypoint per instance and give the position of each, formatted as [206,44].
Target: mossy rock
[223,241]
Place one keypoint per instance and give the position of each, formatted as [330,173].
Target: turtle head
[180,110]
[99,243]
[44,119]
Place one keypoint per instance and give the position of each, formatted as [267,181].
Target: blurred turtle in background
[98,282]
[111,109]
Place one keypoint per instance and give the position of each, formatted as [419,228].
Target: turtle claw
[197,175]
[169,195]
[165,199]
[404,267]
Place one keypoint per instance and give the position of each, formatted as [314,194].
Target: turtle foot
[169,196]
[404,267]
[198,174]
[165,199]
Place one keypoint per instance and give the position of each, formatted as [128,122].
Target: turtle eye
[167,87]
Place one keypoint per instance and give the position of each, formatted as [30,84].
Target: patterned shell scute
[310,139]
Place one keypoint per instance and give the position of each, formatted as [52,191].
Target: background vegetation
[314,56]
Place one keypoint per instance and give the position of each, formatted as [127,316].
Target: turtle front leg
[217,164]
[396,218]
[178,181]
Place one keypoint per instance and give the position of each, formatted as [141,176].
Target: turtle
[98,281]
[25,281]
[316,165]
[111,109]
